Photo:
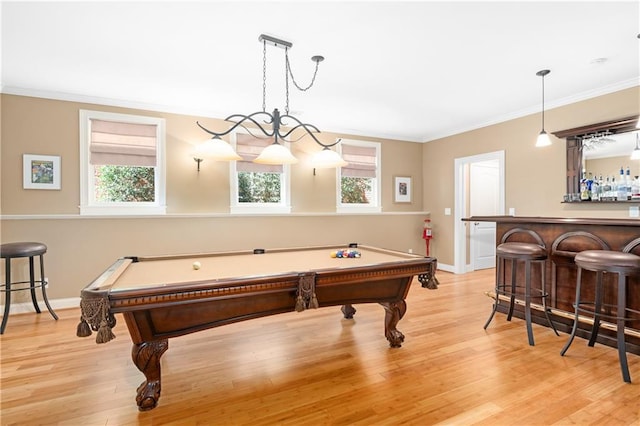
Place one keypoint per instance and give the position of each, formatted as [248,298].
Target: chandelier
[280,127]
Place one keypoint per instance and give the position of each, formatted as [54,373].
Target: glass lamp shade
[635,154]
[216,149]
[276,154]
[327,159]
[543,139]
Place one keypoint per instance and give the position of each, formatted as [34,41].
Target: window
[122,168]
[359,181]
[257,188]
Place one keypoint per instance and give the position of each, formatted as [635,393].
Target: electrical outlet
[634,211]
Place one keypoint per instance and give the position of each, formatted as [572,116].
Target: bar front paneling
[564,238]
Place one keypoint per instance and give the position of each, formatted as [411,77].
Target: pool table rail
[153,314]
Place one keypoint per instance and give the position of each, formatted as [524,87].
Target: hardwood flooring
[316,368]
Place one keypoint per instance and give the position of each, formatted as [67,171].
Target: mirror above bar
[598,149]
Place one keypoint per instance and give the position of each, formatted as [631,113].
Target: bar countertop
[555,220]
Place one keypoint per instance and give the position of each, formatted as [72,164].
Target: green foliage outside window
[354,190]
[124,184]
[254,187]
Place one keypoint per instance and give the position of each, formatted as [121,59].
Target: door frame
[460,207]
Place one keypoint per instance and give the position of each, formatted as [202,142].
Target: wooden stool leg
[575,319]
[512,300]
[543,289]
[622,347]
[527,300]
[499,282]
[595,329]
[7,294]
[44,289]
[32,285]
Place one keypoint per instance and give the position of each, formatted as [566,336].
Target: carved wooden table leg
[394,311]
[348,311]
[429,279]
[146,356]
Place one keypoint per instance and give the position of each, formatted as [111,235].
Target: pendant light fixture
[272,124]
[635,154]
[543,137]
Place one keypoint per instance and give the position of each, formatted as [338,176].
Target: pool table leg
[394,311]
[348,311]
[146,356]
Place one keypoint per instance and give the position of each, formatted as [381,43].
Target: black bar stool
[10,251]
[529,253]
[601,262]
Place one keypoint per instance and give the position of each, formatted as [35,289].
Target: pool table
[167,296]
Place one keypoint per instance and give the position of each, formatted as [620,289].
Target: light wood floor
[315,368]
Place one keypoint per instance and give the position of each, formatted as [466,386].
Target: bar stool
[530,254]
[10,251]
[601,262]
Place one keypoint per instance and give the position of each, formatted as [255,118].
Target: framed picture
[402,189]
[40,171]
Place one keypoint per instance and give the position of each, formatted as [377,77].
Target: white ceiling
[413,70]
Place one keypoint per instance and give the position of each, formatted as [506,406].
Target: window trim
[283,207]
[90,207]
[377,190]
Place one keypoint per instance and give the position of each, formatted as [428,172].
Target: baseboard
[446,268]
[27,307]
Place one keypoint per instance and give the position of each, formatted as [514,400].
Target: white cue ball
[196,265]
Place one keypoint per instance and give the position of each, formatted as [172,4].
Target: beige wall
[535,177]
[198,203]
[198,217]
[611,166]
[50,127]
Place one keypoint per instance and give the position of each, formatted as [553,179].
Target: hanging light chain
[288,72]
[286,79]
[264,75]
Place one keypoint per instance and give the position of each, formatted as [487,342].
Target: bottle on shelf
[635,189]
[584,188]
[606,190]
[629,183]
[595,189]
[621,187]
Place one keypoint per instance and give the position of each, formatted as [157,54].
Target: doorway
[479,190]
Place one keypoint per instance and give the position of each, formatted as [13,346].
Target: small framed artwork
[40,171]
[402,189]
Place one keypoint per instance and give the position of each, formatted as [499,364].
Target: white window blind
[123,144]
[249,147]
[361,159]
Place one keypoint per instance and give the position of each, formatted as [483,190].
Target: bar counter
[564,238]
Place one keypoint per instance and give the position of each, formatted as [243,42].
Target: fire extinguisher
[427,233]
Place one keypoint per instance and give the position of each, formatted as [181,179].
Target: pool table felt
[179,269]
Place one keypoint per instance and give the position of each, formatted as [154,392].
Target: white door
[474,245]
[484,200]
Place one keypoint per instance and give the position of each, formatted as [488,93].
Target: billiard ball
[196,265]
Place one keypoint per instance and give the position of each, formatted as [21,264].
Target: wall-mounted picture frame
[40,171]
[402,189]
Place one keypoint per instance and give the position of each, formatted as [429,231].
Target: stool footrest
[604,315]
[37,284]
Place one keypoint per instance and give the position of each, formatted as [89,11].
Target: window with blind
[121,164]
[359,180]
[257,188]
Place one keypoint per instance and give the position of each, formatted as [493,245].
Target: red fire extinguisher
[427,233]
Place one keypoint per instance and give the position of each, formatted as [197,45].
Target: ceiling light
[635,154]
[327,159]
[543,137]
[215,149]
[271,124]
